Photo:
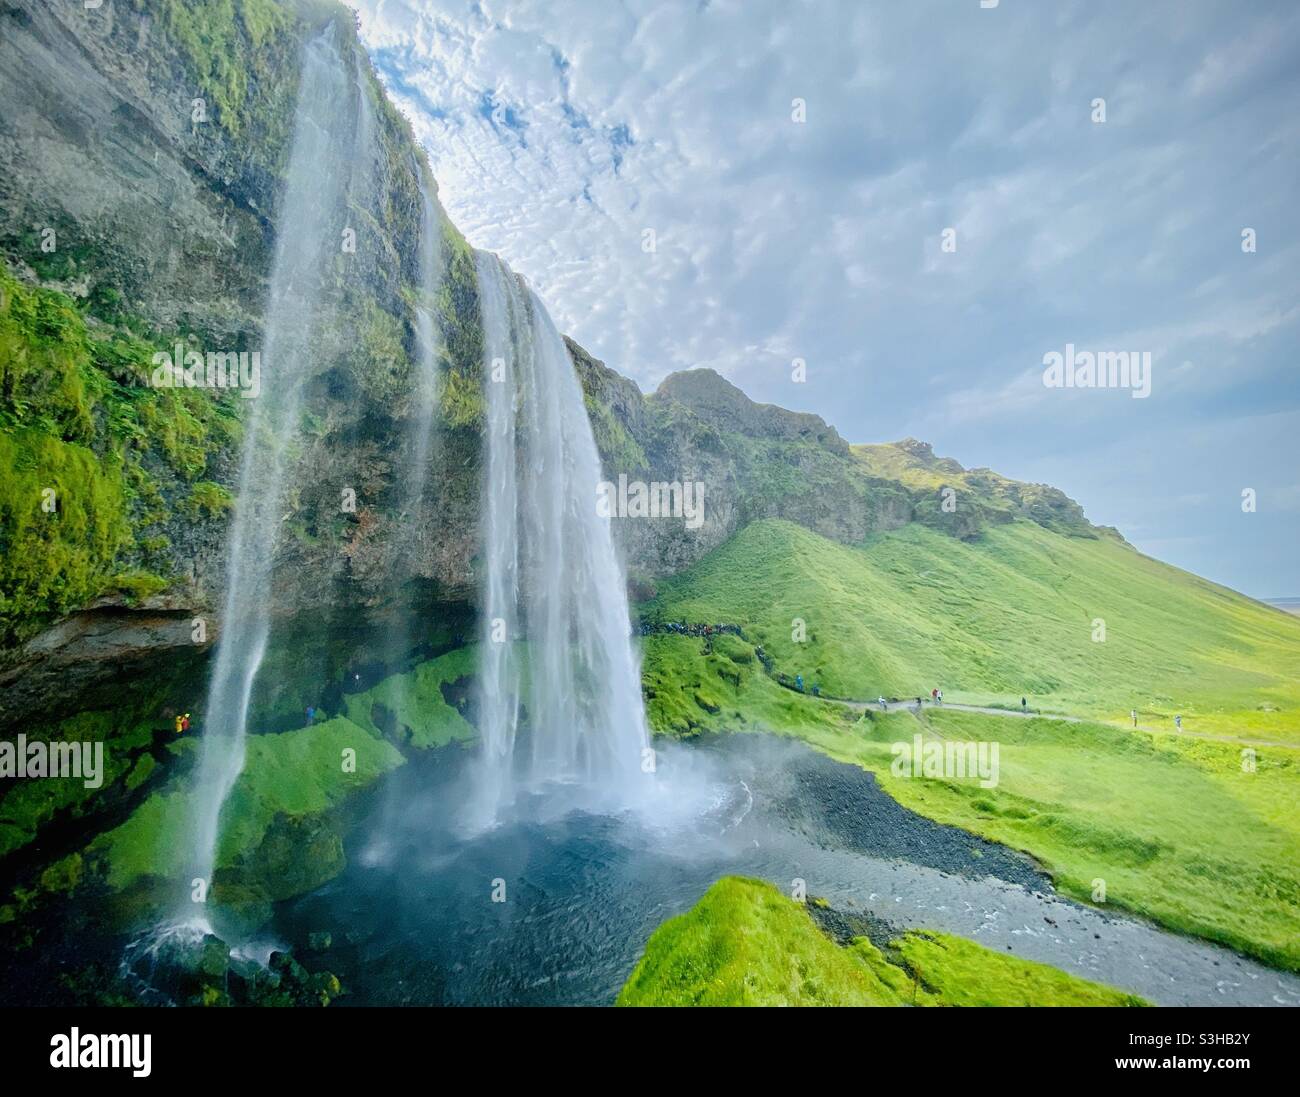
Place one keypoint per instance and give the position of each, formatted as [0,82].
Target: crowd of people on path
[682,628]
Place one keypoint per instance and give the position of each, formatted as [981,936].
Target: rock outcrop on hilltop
[762,461]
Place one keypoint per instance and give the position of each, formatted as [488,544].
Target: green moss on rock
[746,944]
[224,45]
[295,774]
[90,456]
[411,707]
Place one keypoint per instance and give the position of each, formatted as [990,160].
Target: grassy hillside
[1011,613]
[915,465]
[1176,827]
[746,944]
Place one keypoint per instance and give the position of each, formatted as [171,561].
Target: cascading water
[501,310]
[427,345]
[307,228]
[362,172]
[424,401]
[551,574]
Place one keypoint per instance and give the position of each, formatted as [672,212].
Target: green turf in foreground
[746,944]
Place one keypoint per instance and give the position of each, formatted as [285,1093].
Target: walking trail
[896,705]
[910,704]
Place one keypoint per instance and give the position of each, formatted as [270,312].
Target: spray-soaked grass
[688,692]
[746,944]
[1007,615]
[415,704]
[956,972]
[297,775]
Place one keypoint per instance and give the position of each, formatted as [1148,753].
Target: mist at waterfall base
[557,911]
[412,917]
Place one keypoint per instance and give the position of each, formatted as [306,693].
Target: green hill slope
[746,944]
[1175,828]
[1011,613]
[1179,829]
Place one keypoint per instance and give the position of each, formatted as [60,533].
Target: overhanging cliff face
[151,137]
[157,215]
[144,146]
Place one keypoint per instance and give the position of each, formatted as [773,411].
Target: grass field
[746,944]
[1013,613]
[1176,828]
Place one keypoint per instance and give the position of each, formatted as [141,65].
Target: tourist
[798,682]
[1024,705]
[311,714]
[179,720]
[185,722]
[1134,714]
[1178,722]
[884,705]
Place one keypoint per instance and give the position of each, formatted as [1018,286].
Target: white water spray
[564,709]
[306,236]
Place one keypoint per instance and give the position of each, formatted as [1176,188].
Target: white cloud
[559,131]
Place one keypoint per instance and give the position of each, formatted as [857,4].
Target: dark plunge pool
[414,918]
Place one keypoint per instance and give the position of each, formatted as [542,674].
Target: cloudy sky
[561,133]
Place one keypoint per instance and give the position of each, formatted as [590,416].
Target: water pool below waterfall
[413,920]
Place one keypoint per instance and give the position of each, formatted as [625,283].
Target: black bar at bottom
[339,1046]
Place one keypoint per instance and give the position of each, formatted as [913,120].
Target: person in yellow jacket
[179,721]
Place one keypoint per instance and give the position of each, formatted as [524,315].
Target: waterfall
[420,434]
[560,694]
[502,312]
[307,233]
[362,172]
[428,342]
